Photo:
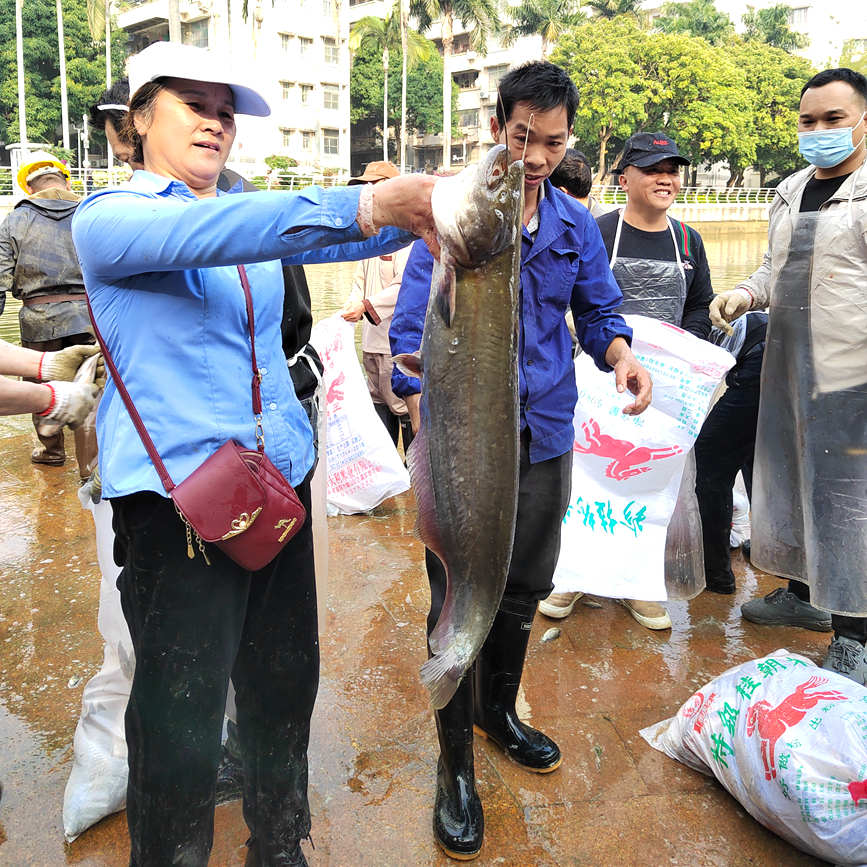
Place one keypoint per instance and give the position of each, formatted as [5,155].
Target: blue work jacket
[160,270]
[565,265]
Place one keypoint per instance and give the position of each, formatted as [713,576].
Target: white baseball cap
[173,60]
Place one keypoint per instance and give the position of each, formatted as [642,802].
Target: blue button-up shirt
[564,265]
[160,270]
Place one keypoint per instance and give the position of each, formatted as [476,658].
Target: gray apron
[658,289]
[810,473]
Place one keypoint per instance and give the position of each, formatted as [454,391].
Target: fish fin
[409,363]
[446,283]
[442,674]
[418,464]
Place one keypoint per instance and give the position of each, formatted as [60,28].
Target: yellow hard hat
[39,163]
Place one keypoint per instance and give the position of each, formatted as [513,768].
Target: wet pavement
[373,755]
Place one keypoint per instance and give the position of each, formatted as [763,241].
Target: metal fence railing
[613,195]
[97,179]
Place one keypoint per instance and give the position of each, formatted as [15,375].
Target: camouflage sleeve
[8,257]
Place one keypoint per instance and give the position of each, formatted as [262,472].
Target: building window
[330,142]
[287,137]
[465,80]
[331,53]
[495,75]
[798,17]
[285,42]
[468,119]
[304,45]
[461,43]
[286,90]
[195,33]
[330,96]
[308,141]
[306,93]
[327,7]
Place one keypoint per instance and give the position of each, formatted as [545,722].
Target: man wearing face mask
[810,477]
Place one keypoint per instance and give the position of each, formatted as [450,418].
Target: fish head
[478,211]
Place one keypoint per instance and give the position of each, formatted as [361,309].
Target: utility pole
[22,109]
[85,143]
[108,153]
[174,21]
[64,104]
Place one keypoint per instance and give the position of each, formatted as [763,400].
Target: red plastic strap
[148,443]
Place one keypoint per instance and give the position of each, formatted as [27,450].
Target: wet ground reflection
[373,745]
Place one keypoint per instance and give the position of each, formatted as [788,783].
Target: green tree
[482,19]
[774,79]
[854,55]
[633,80]
[548,18]
[85,67]
[424,92]
[613,8]
[771,25]
[384,35]
[695,18]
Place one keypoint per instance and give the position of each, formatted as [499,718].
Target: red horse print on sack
[858,790]
[627,457]
[335,392]
[772,722]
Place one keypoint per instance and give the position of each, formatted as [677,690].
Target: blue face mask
[826,148]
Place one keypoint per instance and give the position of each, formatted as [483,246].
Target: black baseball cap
[647,149]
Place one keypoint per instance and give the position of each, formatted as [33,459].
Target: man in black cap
[661,268]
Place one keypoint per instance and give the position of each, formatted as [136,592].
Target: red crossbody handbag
[237,499]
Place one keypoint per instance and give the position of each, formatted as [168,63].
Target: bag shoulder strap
[148,443]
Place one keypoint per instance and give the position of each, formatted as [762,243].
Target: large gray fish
[464,461]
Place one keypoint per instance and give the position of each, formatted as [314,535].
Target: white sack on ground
[789,741]
[364,467]
[626,470]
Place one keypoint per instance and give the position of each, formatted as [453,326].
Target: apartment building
[294,51]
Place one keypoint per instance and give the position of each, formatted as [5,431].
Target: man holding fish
[491,465]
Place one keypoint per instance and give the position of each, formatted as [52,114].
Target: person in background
[47,390]
[39,265]
[726,444]
[574,177]
[108,115]
[159,257]
[563,264]
[661,268]
[810,478]
[373,296]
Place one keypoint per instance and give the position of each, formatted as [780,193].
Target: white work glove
[65,363]
[728,306]
[71,402]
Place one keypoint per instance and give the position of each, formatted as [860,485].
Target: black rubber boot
[458,821]
[497,677]
[290,856]
[230,773]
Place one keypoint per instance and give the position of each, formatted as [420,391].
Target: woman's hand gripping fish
[464,460]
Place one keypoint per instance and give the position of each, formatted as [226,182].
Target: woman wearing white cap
[159,258]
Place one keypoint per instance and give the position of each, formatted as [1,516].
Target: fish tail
[442,674]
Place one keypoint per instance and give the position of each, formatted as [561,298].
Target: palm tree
[482,18]
[613,8]
[548,18]
[385,34]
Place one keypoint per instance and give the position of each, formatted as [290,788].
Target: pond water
[734,251]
